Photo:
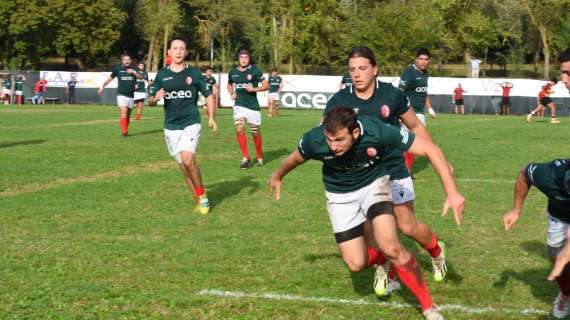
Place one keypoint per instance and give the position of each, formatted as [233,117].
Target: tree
[547,16]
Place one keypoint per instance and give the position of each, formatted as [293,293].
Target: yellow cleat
[204,205]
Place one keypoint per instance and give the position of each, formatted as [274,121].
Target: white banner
[308,91]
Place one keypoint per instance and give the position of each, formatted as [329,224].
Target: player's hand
[213,125]
[100,91]
[457,203]
[275,186]
[510,218]
[160,94]
[432,113]
[249,88]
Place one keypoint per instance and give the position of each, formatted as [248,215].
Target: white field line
[393,305]
[486,180]
[435,122]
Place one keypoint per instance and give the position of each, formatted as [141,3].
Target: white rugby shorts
[182,140]
[348,210]
[123,101]
[250,116]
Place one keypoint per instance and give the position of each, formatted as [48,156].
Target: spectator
[458,98]
[474,64]
[70,89]
[7,92]
[506,103]
[39,91]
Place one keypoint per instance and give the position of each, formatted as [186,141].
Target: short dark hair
[564,55]
[363,52]
[125,54]
[178,39]
[423,52]
[340,118]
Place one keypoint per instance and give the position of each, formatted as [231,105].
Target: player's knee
[188,159]
[355,264]
[255,130]
[393,250]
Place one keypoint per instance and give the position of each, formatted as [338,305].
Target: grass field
[95,226]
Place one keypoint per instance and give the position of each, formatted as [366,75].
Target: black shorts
[506,101]
[545,101]
[459,102]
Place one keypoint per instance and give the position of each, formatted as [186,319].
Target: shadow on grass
[315,257]
[218,192]
[420,164]
[146,132]
[275,154]
[21,143]
[534,278]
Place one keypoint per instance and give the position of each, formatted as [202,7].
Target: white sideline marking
[485,180]
[394,305]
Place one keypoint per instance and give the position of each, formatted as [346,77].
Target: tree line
[297,36]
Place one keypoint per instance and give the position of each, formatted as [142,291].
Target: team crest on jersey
[371,152]
[385,111]
[188,80]
[248,77]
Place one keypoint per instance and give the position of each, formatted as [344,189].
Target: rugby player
[358,189]
[374,98]
[506,102]
[275,87]
[140,89]
[179,84]
[458,99]
[19,86]
[545,101]
[414,83]
[212,86]
[244,82]
[553,180]
[126,81]
[7,84]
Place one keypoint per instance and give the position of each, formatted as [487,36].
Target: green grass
[94,226]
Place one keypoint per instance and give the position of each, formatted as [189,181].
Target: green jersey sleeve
[537,174]
[397,137]
[258,75]
[403,103]
[405,80]
[305,147]
[115,72]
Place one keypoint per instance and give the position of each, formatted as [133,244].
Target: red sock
[409,158]
[124,125]
[199,190]
[375,256]
[412,277]
[242,141]
[564,281]
[257,142]
[433,247]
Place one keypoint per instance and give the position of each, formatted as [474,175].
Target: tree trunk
[165,48]
[149,57]
[275,42]
[545,50]
[485,62]
[467,57]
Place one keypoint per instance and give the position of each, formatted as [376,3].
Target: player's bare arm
[454,200]
[231,91]
[521,191]
[211,109]
[153,100]
[264,87]
[412,122]
[291,162]
[105,83]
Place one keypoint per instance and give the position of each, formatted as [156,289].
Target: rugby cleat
[554,121]
[528,117]
[204,204]
[433,314]
[244,164]
[259,162]
[561,306]
[383,285]
[438,263]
